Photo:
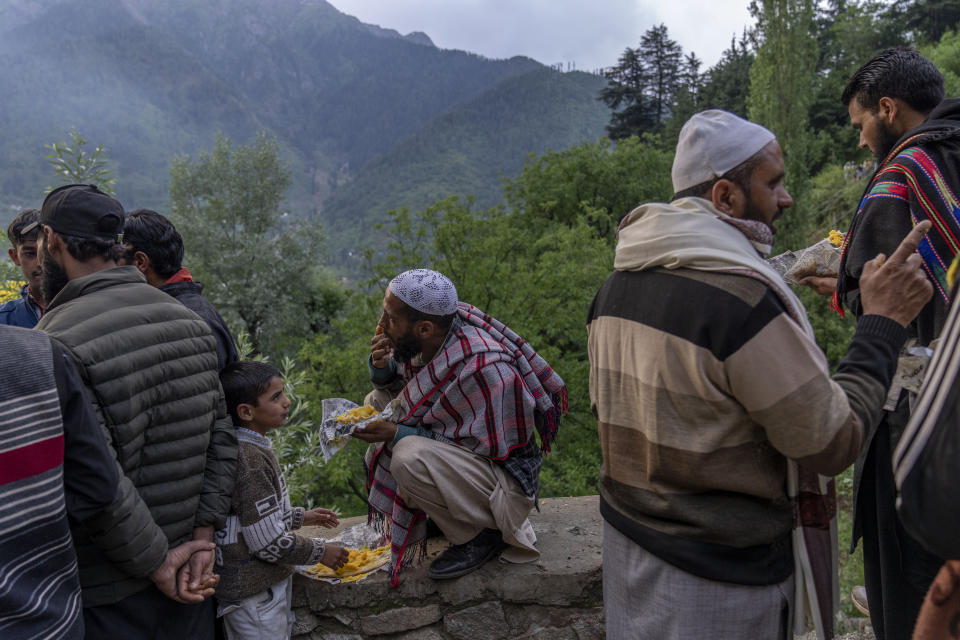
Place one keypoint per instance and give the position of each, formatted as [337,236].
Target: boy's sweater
[257,548]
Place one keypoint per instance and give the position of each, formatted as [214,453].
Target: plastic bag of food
[781,263]
[342,417]
[821,259]
[369,551]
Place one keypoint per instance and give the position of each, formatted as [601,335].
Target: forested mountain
[472,148]
[150,80]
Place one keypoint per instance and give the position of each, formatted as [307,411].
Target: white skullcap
[711,143]
[426,291]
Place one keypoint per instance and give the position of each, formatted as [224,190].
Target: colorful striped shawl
[487,390]
[911,175]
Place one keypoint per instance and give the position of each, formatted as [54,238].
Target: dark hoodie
[190,295]
[904,191]
[906,188]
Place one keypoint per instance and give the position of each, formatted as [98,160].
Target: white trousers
[263,616]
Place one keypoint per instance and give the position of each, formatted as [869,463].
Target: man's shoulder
[718,312]
[928,157]
[180,290]
[637,294]
[12,305]
[106,302]
[16,313]
[254,459]
[190,295]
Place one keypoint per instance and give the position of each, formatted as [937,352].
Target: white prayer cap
[426,291]
[711,143]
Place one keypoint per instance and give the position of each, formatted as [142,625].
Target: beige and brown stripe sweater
[258,546]
[702,386]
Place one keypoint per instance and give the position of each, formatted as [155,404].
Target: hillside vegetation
[151,81]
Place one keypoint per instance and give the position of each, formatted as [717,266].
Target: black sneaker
[461,559]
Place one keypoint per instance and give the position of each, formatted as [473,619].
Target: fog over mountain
[358,110]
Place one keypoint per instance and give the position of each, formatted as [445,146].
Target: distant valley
[367,118]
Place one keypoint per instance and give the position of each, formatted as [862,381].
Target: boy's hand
[383,431]
[320,518]
[334,556]
[380,347]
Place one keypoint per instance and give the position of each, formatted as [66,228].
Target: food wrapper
[911,369]
[821,259]
[356,537]
[334,434]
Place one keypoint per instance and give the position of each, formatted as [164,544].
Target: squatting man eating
[471,394]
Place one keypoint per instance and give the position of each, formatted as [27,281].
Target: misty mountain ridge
[351,104]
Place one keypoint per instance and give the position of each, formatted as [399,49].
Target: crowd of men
[719,420]
[718,416]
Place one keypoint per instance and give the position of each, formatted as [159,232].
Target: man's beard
[54,279]
[885,141]
[406,346]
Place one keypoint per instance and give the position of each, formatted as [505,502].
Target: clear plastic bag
[356,537]
[334,434]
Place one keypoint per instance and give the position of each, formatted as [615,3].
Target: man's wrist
[884,328]
[382,375]
[203,533]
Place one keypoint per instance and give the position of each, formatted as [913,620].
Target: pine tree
[644,85]
[661,58]
[726,85]
[625,93]
[782,82]
[929,19]
[690,77]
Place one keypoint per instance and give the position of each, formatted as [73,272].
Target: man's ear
[14,255]
[53,243]
[141,261]
[423,328]
[888,109]
[245,411]
[728,198]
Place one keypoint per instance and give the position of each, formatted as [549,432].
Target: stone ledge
[559,596]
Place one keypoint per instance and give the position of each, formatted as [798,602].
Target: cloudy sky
[591,34]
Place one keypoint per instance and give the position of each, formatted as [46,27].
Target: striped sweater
[54,462]
[258,547]
[703,386]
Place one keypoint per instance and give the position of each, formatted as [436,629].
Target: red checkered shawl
[486,390]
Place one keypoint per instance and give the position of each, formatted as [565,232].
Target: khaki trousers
[464,493]
[379,399]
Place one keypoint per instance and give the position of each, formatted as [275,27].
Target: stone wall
[558,597]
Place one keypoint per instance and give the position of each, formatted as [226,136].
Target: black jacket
[150,367]
[190,295]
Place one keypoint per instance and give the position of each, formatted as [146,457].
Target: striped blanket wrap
[911,174]
[486,390]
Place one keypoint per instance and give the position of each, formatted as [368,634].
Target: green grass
[851,565]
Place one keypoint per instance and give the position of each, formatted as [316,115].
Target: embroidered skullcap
[711,143]
[426,291]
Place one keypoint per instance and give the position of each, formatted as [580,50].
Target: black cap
[84,211]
